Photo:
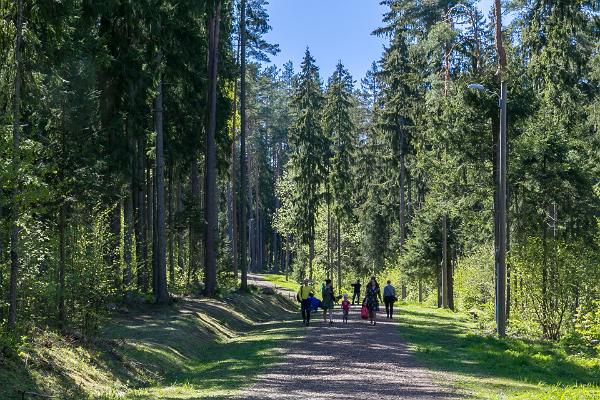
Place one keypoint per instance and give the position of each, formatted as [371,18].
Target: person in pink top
[346,307]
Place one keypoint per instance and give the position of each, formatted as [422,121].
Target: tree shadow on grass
[222,367]
[447,343]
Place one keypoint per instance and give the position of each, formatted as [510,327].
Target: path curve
[348,361]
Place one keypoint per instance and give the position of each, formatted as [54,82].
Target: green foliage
[587,324]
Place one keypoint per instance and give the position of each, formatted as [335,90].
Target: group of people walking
[370,302]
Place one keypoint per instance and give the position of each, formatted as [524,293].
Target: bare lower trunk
[329,263]
[444,273]
[210,232]
[140,206]
[180,229]
[16,128]
[61,265]
[127,246]
[161,295]
[339,254]
[194,223]
[311,256]
[150,221]
[171,230]
[243,175]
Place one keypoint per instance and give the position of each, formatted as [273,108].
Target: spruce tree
[308,147]
[339,128]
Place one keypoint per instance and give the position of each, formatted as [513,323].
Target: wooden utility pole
[502,155]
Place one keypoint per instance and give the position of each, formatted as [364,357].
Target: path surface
[348,361]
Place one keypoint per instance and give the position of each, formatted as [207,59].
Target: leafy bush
[587,324]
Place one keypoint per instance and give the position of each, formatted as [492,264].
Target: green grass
[490,368]
[192,349]
[279,281]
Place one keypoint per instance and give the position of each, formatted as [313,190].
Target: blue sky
[333,30]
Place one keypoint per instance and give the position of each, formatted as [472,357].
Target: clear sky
[333,30]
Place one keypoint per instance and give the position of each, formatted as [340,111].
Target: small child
[346,307]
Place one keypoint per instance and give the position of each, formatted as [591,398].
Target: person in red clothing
[346,307]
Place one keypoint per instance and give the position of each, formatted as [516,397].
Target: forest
[150,151]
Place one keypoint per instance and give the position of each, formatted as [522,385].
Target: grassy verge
[279,281]
[192,349]
[490,368]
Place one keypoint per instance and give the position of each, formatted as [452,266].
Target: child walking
[345,307]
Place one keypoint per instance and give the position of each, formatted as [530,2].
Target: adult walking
[328,300]
[389,297]
[372,299]
[356,294]
[303,297]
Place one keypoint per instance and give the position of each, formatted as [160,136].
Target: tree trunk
[140,242]
[420,290]
[287,257]
[180,229]
[171,230]
[194,222]
[311,255]
[329,263]
[161,295]
[402,196]
[210,203]
[127,246]
[339,253]
[243,126]
[444,272]
[234,186]
[16,144]
[61,265]
[150,221]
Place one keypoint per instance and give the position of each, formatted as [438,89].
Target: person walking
[328,300]
[372,299]
[389,297]
[303,297]
[356,294]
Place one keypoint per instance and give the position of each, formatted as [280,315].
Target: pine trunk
[180,229]
[210,232]
[16,144]
[444,277]
[127,246]
[140,242]
[243,125]
[61,265]
[171,230]
[339,254]
[149,222]
[161,294]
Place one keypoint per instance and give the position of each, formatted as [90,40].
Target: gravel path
[348,361]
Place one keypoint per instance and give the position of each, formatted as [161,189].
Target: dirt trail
[348,361]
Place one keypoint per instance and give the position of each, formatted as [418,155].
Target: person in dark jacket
[356,294]
[328,301]
[389,297]
[372,299]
